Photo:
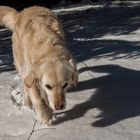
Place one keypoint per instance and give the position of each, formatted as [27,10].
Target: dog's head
[54,78]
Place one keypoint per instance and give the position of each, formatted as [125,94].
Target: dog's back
[40,29]
[35,18]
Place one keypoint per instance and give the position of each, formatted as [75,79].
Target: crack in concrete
[33,129]
[88,70]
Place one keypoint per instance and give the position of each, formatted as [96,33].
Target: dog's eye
[48,87]
[65,85]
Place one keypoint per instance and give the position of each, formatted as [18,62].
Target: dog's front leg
[43,112]
[27,100]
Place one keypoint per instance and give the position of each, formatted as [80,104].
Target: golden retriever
[45,65]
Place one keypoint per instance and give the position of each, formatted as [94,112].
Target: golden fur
[45,66]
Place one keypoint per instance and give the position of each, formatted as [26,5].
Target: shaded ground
[86,32]
[117,95]
[6,59]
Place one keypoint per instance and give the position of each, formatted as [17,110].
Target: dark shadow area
[49,3]
[19,5]
[117,96]
[6,57]
[83,28]
[111,49]
[27,3]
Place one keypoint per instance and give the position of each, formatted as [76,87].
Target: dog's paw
[45,120]
[48,123]
[45,117]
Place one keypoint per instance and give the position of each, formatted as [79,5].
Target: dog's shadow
[117,96]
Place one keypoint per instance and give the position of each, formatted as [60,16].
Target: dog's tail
[8,17]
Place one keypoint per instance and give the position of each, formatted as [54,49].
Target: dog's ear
[29,80]
[74,78]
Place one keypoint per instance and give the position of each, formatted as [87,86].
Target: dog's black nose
[59,107]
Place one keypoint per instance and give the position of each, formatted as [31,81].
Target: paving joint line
[33,130]
[88,70]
